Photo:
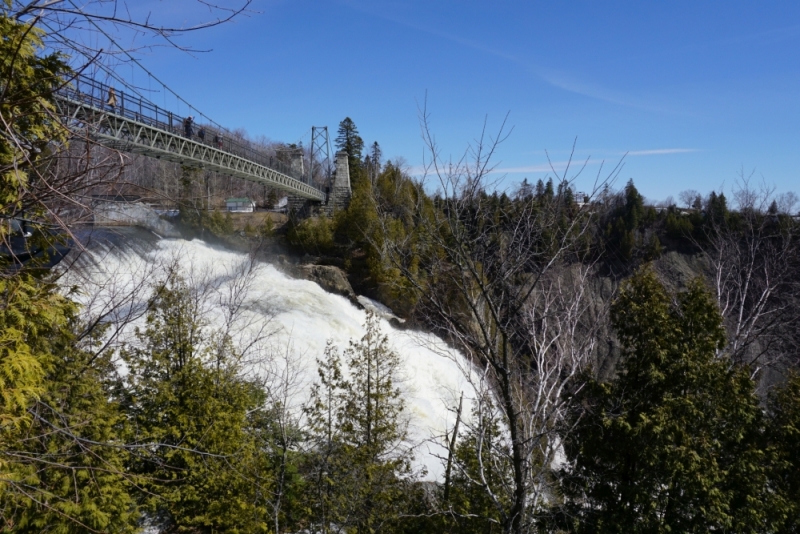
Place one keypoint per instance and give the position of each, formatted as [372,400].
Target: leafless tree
[689,197]
[503,283]
[754,258]
[71,25]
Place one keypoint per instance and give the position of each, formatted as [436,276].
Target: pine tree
[375,165]
[625,221]
[325,460]
[526,190]
[783,434]
[717,213]
[672,443]
[190,406]
[482,469]
[347,139]
[367,464]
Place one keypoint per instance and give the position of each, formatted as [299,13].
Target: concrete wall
[109,213]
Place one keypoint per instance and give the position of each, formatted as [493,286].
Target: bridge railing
[90,92]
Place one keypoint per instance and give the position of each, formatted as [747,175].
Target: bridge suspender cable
[164,85]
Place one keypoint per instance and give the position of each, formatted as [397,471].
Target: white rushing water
[298,316]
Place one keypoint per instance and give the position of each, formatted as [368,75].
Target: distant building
[244,205]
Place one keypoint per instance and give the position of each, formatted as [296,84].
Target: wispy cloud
[662,151]
[575,164]
[529,168]
[573,84]
[370,9]
[563,81]
[560,80]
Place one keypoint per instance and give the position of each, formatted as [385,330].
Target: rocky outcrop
[379,309]
[328,277]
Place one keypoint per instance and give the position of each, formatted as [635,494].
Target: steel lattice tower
[320,169]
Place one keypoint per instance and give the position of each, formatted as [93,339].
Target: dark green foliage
[382,213]
[60,468]
[477,497]
[313,235]
[188,403]
[625,222]
[654,248]
[784,447]
[672,443]
[360,469]
[717,213]
[347,139]
[678,226]
[324,465]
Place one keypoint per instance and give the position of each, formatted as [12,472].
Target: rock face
[328,277]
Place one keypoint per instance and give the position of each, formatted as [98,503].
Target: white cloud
[544,167]
[662,151]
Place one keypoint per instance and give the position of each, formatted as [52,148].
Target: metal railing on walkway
[99,96]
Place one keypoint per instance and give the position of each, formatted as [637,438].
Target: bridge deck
[136,125]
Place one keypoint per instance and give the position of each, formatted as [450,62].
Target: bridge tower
[332,177]
[341,192]
[320,167]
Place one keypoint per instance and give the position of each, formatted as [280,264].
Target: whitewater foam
[299,316]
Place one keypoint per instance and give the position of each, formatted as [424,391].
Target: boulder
[328,277]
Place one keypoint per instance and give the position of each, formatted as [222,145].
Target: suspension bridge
[131,123]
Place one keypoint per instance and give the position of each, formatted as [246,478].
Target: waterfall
[285,321]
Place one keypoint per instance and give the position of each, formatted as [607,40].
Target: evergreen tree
[27,79]
[482,469]
[60,465]
[717,213]
[366,463]
[326,465]
[347,139]
[634,206]
[70,473]
[372,162]
[783,433]
[525,190]
[190,408]
[625,221]
[672,443]
[376,155]
[373,430]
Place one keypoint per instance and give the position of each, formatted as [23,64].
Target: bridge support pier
[338,194]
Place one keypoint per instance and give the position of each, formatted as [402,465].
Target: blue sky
[696,93]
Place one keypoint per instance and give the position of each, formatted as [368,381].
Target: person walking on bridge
[187,126]
[112,99]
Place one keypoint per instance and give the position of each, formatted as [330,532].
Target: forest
[637,362]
